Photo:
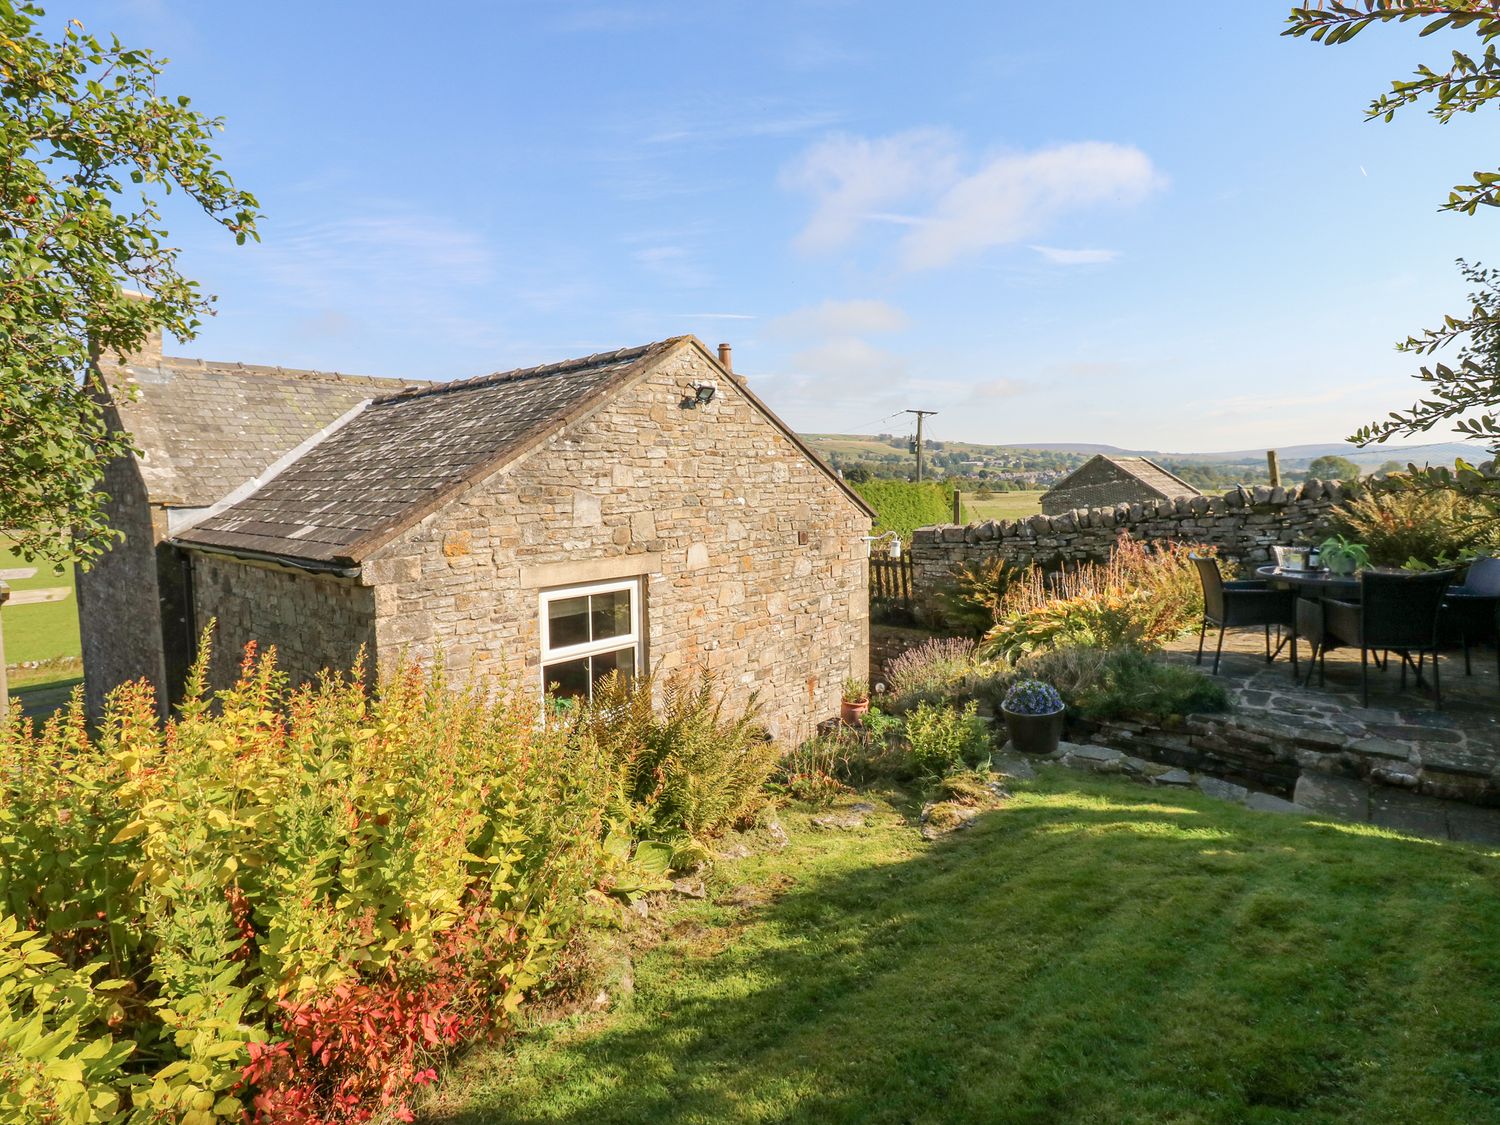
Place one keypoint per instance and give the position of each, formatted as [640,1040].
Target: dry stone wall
[1244,523]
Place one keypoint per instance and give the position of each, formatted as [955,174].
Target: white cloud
[849,361]
[840,318]
[701,129]
[851,177]
[915,179]
[1016,196]
[370,255]
[989,390]
[1061,257]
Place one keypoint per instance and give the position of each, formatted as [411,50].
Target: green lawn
[1003,505]
[1094,951]
[40,632]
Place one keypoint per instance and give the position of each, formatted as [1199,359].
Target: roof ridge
[557,367]
[196,363]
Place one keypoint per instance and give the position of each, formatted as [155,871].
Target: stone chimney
[149,352]
[726,361]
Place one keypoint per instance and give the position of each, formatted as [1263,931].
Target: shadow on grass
[1086,953]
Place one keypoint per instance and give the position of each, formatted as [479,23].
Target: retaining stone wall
[1243,523]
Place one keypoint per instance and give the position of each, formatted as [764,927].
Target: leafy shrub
[1427,527]
[811,772]
[903,506]
[683,767]
[290,904]
[941,737]
[1141,598]
[50,1068]
[1103,685]
[974,601]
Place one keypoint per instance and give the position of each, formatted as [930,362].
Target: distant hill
[1292,456]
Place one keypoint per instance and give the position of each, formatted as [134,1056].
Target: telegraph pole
[920,415]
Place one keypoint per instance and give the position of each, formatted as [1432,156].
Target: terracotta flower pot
[853,714]
[1034,734]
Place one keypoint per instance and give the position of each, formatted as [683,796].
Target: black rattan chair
[1470,610]
[1234,605]
[1398,612]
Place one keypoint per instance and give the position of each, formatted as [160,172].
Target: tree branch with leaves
[88,144]
[1465,392]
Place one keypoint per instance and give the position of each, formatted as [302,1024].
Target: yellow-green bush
[278,904]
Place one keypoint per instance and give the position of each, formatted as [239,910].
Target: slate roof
[1148,472]
[407,454]
[1152,475]
[206,428]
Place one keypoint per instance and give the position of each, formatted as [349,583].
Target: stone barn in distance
[1104,481]
[636,509]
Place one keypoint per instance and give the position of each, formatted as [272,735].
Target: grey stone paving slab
[1265,802]
[1344,797]
[1474,826]
[1013,767]
[1410,813]
[1090,753]
[1223,790]
[1173,777]
[1383,748]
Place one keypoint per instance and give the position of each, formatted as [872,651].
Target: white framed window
[587,633]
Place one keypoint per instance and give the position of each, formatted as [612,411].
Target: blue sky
[1108,226]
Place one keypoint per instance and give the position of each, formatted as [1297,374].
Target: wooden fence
[890,581]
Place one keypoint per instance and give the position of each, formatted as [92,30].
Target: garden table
[1318,584]
[1312,586]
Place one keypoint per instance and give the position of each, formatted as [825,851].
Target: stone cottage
[1104,481]
[636,509]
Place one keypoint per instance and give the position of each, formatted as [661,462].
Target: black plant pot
[1034,734]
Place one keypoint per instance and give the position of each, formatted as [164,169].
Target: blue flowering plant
[1032,697]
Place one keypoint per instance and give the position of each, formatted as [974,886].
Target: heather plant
[280,905]
[682,766]
[934,670]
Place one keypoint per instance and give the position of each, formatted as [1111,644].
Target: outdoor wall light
[895,547]
[703,393]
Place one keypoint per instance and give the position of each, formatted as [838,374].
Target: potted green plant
[1343,556]
[856,702]
[1033,716]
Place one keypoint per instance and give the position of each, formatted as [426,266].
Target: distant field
[826,444]
[1003,505]
[40,632]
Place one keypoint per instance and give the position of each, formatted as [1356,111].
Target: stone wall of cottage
[316,621]
[753,561]
[1243,523]
[119,609]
